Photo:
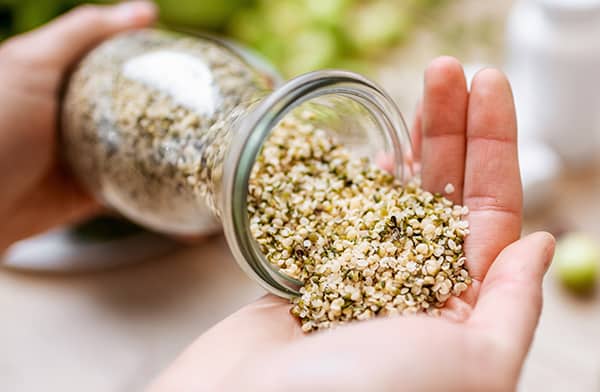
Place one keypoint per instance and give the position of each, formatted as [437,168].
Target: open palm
[461,137]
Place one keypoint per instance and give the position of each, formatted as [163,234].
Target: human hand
[36,193]
[482,338]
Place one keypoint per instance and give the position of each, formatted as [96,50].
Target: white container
[553,53]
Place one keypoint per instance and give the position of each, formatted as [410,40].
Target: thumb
[510,300]
[63,41]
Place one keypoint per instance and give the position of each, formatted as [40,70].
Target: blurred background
[296,35]
[73,325]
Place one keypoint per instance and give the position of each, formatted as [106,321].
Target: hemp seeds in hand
[362,243]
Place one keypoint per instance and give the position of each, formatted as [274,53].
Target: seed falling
[362,243]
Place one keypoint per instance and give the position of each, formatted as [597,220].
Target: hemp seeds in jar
[146,121]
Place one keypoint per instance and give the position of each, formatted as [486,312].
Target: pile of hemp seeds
[363,244]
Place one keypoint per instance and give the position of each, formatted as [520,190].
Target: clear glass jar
[165,128]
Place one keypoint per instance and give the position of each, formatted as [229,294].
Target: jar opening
[353,109]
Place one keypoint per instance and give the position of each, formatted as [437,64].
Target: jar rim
[254,130]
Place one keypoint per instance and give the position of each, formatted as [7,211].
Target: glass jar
[165,128]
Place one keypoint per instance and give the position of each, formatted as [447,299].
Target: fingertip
[445,96]
[444,70]
[64,40]
[136,13]
[491,108]
[128,14]
[444,63]
[543,237]
[490,81]
[528,257]
[545,241]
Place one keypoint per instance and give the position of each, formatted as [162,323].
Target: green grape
[576,260]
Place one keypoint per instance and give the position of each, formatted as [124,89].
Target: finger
[510,301]
[64,40]
[260,326]
[492,188]
[444,122]
[416,133]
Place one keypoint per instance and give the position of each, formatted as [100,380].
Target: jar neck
[360,112]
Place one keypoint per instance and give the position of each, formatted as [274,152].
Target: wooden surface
[113,331]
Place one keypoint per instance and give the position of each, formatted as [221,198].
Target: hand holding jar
[36,193]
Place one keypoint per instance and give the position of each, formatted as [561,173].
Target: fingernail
[136,12]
